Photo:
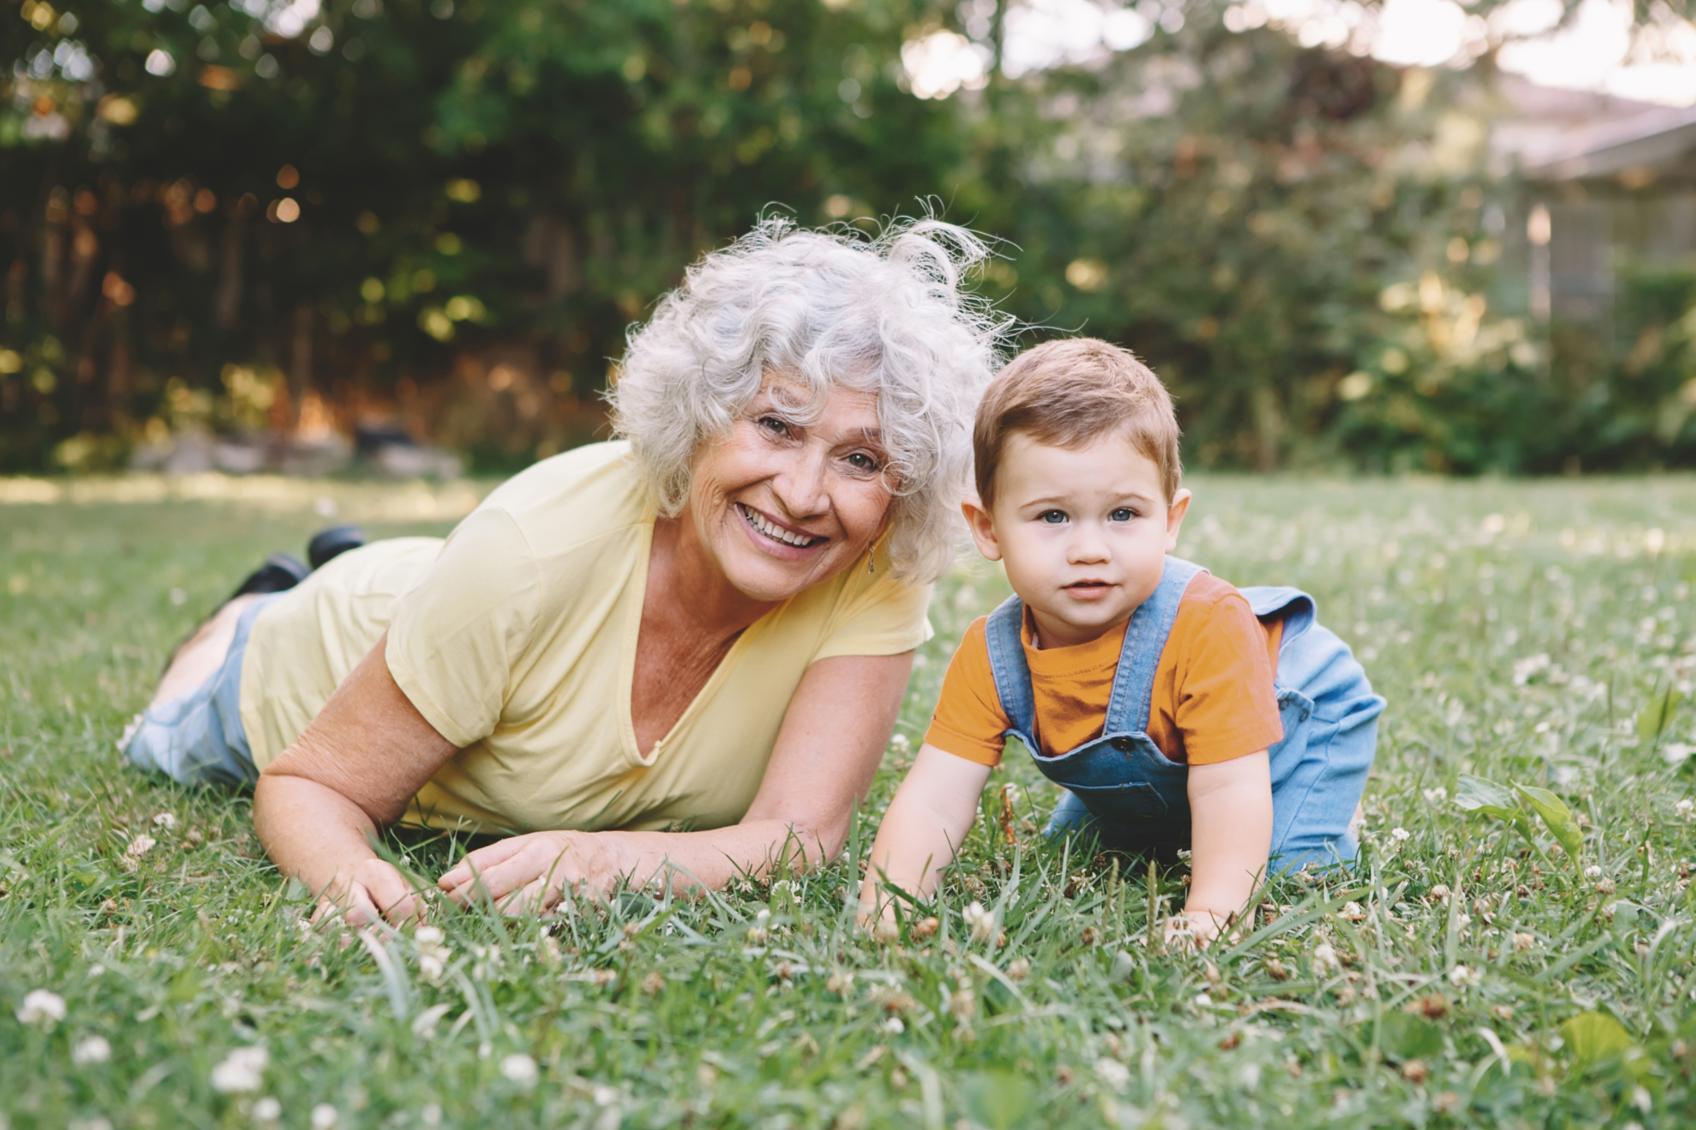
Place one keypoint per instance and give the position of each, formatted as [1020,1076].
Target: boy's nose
[1087,546]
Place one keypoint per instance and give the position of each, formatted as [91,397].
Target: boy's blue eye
[1052,517]
[1122,514]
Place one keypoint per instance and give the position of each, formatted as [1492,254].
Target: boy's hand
[1230,834]
[931,813]
[1193,930]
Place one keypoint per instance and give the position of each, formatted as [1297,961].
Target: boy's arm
[1231,834]
[931,813]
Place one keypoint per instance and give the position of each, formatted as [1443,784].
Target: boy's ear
[982,528]
[1175,517]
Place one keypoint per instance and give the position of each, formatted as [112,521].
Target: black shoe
[333,542]
[279,573]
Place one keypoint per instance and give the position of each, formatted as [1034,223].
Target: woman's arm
[833,736]
[318,806]
[1230,836]
[929,817]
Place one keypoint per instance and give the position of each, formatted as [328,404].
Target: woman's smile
[777,537]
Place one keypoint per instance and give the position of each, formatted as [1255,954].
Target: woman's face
[779,506]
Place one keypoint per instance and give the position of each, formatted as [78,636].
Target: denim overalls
[1121,788]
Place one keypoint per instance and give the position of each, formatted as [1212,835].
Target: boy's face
[1083,532]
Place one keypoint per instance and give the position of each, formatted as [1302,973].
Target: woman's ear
[982,527]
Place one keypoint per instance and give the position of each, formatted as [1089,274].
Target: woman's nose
[800,487]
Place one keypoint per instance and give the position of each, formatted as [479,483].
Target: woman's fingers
[538,896]
[351,906]
[542,859]
[391,894]
[482,860]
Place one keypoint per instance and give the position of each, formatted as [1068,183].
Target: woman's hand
[531,873]
[367,893]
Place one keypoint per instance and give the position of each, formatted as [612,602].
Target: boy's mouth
[1089,588]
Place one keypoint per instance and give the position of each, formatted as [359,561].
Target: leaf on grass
[1557,816]
[1654,719]
[999,1098]
[1475,794]
[1594,1037]
[1403,1036]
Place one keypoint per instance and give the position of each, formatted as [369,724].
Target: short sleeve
[1226,705]
[455,635]
[969,721]
[882,617]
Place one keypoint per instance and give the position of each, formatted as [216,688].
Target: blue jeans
[1125,791]
[198,739]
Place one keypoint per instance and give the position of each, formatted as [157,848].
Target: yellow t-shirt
[516,639]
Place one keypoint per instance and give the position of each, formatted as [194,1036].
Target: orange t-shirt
[1213,696]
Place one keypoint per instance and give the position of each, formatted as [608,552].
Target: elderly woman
[678,655]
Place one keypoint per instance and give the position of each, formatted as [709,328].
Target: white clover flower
[433,953]
[41,1006]
[240,1072]
[961,1003]
[1523,941]
[1400,835]
[1112,1072]
[520,1069]
[1436,795]
[324,1117]
[1352,912]
[165,820]
[1463,975]
[267,1110]
[140,846]
[900,745]
[979,921]
[1593,872]
[91,1050]
[894,1026]
[1324,959]
[1685,808]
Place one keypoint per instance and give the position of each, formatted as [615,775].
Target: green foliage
[453,210]
[1517,805]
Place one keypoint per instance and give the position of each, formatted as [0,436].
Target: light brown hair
[1066,393]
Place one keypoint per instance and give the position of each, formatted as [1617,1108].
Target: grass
[1469,972]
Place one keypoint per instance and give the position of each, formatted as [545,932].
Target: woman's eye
[1052,517]
[774,425]
[1122,514]
[865,462]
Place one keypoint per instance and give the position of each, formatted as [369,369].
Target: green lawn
[1469,973]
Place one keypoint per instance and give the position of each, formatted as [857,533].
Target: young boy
[1176,710]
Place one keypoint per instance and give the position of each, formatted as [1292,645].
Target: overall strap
[1007,664]
[1145,639]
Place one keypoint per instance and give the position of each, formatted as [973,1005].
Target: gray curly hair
[881,314]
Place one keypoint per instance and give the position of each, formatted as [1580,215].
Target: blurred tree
[358,197]
[223,212]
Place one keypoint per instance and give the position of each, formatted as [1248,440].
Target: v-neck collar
[627,669]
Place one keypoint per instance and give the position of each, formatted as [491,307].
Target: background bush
[451,211]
